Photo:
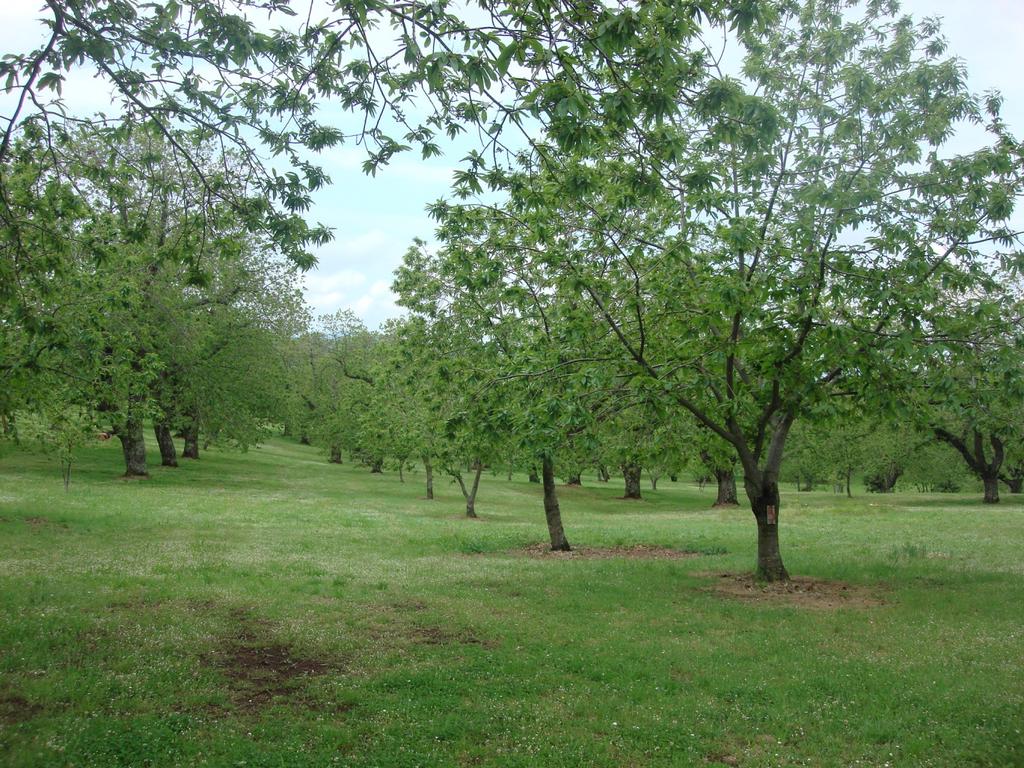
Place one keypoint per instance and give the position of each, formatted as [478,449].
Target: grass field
[270,609]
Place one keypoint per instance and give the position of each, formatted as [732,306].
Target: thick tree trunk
[376,466]
[726,488]
[552,512]
[885,480]
[429,469]
[534,478]
[974,454]
[164,439]
[133,445]
[764,503]
[191,449]
[335,455]
[991,489]
[631,474]
[574,480]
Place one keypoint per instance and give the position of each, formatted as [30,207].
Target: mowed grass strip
[271,609]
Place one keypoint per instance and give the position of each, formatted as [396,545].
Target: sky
[376,218]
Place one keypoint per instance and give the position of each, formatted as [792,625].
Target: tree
[333,400]
[973,398]
[536,422]
[720,461]
[181,300]
[780,241]
[201,73]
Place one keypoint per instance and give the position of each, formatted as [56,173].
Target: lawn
[269,609]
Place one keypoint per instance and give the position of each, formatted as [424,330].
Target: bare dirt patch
[43,522]
[634,552]
[427,635]
[409,605]
[262,670]
[16,709]
[801,591]
[403,622]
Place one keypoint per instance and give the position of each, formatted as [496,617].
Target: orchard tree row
[405,398]
[718,231]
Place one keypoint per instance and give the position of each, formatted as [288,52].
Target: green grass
[269,609]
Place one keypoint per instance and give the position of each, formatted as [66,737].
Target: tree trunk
[764,503]
[376,466]
[470,493]
[602,473]
[429,469]
[559,543]
[304,439]
[471,498]
[654,482]
[533,475]
[991,489]
[574,480]
[133,444]
[1015,484]
[726,488]
[631,473]
[335,457]
[164,439]
[191,449]
[401,475]
[985,468]
[848,473]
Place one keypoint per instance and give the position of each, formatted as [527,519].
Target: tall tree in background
[127,316]
[971,393]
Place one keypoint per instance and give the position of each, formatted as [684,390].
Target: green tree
[779,241]
[974,393]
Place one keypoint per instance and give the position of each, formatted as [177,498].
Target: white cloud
[377,304]
[318,282]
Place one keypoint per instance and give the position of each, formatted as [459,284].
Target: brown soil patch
[409,605]
[17,709]
[397,624]
[634,552]
[260,669]
[438,636]
[43,522]
[802,591]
